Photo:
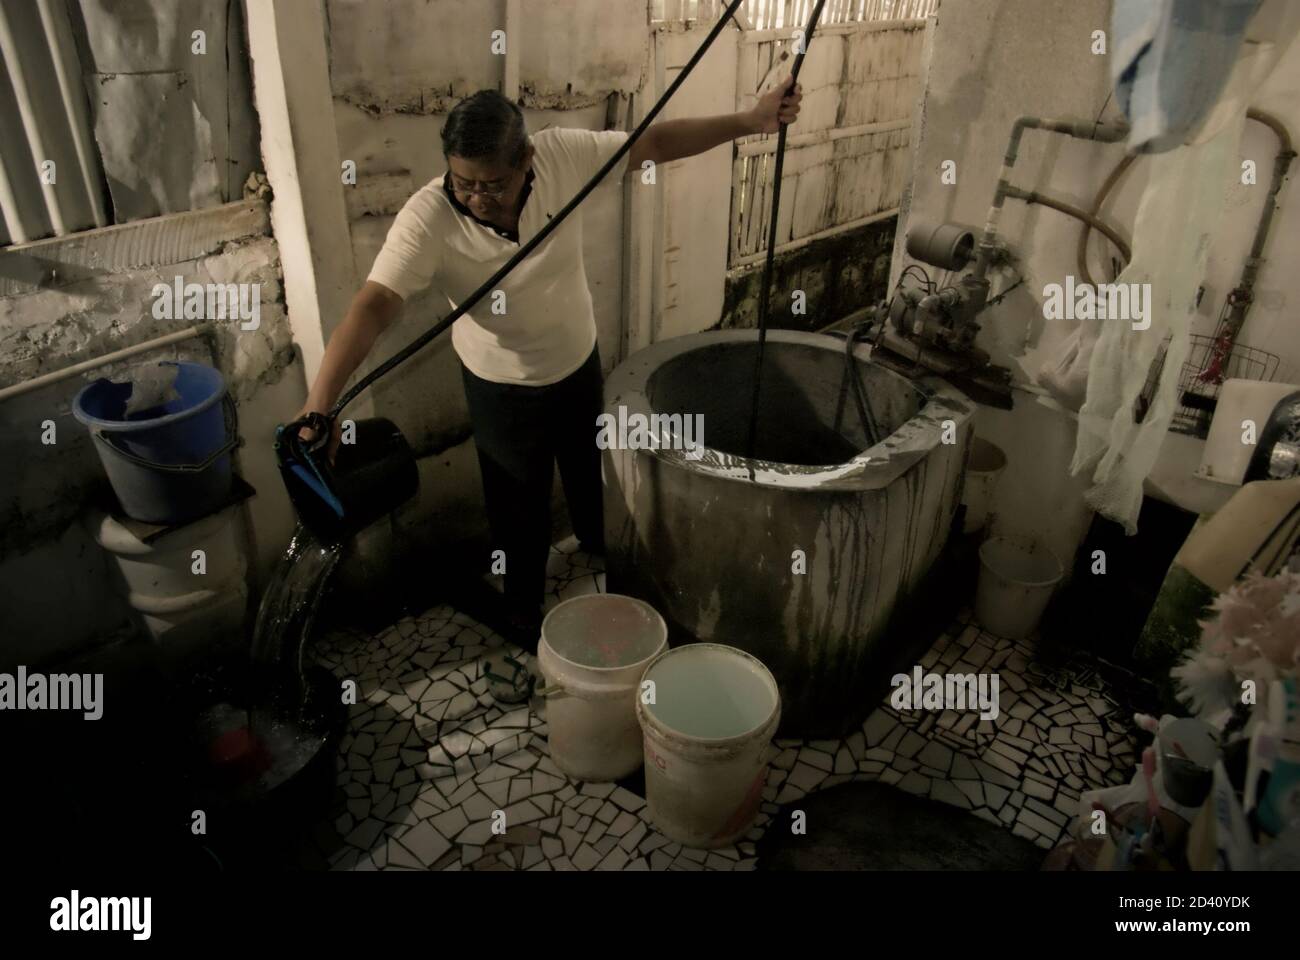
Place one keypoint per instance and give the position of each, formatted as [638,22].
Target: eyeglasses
[468,188]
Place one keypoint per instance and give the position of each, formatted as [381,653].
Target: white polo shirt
[548,328]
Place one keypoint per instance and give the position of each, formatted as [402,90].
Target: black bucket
[370,477]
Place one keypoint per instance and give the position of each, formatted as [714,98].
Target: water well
[711,542]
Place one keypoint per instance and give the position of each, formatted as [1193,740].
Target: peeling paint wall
[146,72]
[395,57]
[56,584]
[839,275]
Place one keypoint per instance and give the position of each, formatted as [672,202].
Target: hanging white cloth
[1176,221]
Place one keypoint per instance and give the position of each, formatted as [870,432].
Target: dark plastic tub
[369,479]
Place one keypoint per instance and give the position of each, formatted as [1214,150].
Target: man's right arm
[372,310]
[406,264]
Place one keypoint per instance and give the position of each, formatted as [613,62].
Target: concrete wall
[692,219]
[988,63]
[56,587]
[145,71]
[397,58]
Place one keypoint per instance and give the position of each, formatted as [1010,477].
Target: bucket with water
[706,735]
[170,462]
[592,653]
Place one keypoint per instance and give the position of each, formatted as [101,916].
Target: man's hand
[779,105]
[372,310]
[308,435]
[670,140]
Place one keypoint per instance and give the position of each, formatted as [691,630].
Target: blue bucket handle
[232,440]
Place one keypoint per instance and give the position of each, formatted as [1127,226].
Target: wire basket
[1201,378]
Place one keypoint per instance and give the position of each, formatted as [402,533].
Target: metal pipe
[12,216]
[1276,125]
[1030,196]
[847,320]
[1241,296]
[1281,163]
[1081,129]
[1086,229]
[35,383]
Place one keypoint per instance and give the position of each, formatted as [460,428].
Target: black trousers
[522,433]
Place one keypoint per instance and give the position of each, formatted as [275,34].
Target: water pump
[933,330]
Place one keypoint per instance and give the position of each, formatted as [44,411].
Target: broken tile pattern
[434,775]
[571,573]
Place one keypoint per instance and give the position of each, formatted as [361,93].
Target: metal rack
[1210,361]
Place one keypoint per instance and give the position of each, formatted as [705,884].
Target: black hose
[865,414]
[489,284]
[853,377]
[771,239]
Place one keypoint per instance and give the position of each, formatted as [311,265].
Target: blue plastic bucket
[170,463]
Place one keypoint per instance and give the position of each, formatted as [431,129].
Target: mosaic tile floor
[429,758]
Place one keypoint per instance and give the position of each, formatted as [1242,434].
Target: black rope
[488,285]
[771,238]
[853,377]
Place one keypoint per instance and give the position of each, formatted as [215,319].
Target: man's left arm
[674,139]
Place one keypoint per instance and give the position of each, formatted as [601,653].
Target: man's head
[488,154]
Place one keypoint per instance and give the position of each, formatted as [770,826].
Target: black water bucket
[370,477]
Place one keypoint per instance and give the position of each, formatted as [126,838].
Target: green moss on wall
[839,275]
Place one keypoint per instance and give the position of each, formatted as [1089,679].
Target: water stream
[281,723]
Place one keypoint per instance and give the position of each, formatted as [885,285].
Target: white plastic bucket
[592,653]
[987,461]
[1016,581]
[715,711]
[158,581]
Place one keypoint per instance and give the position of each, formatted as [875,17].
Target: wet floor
[429,757]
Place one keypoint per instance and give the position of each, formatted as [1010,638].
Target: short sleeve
[409,259]
[589,150]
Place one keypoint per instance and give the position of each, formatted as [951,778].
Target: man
[529,360]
